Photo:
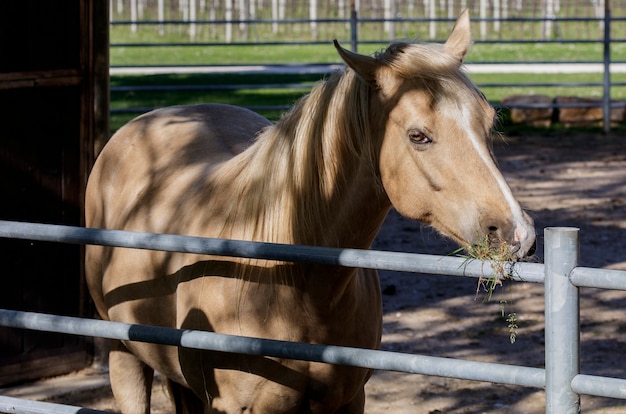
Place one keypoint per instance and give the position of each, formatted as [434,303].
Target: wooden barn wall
[53,108]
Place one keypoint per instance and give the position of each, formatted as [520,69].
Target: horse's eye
[418,137]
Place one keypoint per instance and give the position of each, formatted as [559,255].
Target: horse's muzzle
[525,239]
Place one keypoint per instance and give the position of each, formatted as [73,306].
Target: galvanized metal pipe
[19,406]
[562,275]
[598,278]
[354,27]
[371,259]
[561,319]
[600,386]
[606,90]
[357,357]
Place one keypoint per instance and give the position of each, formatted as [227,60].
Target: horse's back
[163,145]
[152,174]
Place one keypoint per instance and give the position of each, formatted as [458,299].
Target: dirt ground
[566,179]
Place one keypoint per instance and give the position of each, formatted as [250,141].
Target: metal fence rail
[354,39]
[561,274]
[370,259]
[20,406]
[210,341]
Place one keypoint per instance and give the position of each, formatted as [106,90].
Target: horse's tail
[185,401]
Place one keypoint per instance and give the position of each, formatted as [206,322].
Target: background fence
[378,21]
[511,32]
[561,274]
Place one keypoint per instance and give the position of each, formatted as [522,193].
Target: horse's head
[434,131]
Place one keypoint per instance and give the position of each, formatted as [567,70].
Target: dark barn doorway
[53,112]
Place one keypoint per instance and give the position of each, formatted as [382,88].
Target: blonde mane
[287,180]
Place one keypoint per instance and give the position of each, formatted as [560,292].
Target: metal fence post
[606,94]
[562,320]
[354,27]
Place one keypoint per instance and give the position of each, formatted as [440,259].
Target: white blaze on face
[522,226]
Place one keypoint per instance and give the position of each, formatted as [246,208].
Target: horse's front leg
[357,405]
[131,380]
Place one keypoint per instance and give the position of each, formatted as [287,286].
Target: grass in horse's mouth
[499,257]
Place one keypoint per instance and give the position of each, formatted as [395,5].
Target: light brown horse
[405,128]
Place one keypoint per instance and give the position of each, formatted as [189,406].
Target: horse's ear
[460,39]
[364,66]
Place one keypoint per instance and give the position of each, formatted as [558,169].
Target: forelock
[429,67]
[411,60]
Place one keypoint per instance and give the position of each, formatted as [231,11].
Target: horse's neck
[356,214]
[300,208]
[306,182]
[305,190]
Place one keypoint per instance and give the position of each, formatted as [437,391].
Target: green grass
[321,53]
[248,97]
[222,55]
[282,96]
[210,54]
[367,31]
[541,52]
[497,93]
[325,53]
